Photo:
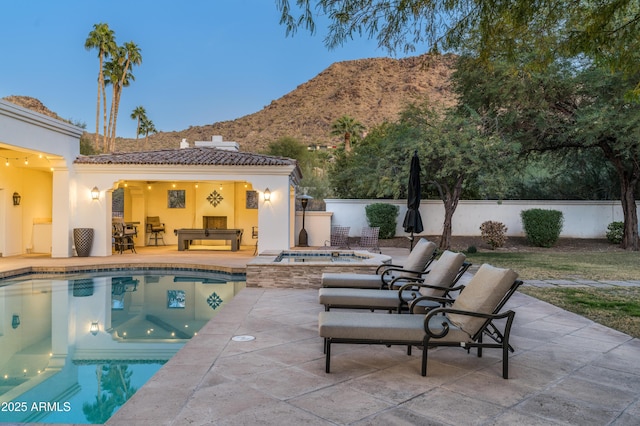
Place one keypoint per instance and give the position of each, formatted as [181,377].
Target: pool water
[319,256]
[74,348]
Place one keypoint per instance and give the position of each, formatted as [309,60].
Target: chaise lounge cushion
[381,327]
[482,294]
[363,297]
[337,279]
[418,258]
[442,273]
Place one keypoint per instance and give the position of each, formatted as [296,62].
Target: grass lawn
[617,307]
[618,265]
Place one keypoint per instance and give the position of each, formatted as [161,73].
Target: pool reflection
[92,341]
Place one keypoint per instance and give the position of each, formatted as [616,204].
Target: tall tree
[566,107]
[606,30]
[132,56]
[138,114]
[101,38]
[146,127]
[348,128]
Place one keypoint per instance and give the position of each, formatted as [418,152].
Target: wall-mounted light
[267,195]
[15,321]
[95,327]
[95,193]
[16,199]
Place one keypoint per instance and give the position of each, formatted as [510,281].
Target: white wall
[582,219]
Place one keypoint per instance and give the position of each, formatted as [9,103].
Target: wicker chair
[340,236]
[369,239]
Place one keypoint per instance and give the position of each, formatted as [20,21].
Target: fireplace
[214,222]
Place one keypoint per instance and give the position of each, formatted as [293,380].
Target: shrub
[472,249]
[542,227]
[493,233]
[384,216]
[615,231]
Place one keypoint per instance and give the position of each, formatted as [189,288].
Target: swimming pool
[74,348]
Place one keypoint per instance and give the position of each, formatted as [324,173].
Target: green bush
[615,231]
[493,233]
[384,216]
[542,227]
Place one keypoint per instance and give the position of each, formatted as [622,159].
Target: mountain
[369,90]
[33,104]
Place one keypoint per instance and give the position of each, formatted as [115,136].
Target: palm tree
[132,56]
[347,127]
[118,73]
[103,39]
[146,127]
[138,113]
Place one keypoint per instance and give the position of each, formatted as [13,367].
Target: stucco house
[52,184]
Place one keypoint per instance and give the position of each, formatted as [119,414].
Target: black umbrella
[412,220]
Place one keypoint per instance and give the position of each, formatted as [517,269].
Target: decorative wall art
[252,199]
[175,299]
[176,199]
[214,198]
[214,300]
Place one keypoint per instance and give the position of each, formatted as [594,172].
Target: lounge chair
[438,281]
[416,263]
[464,324]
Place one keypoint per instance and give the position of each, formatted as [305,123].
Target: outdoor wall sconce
[16,199]
[95,327]
[15,321]
[267,195]
[95,193]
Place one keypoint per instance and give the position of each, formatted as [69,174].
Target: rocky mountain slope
[369,90]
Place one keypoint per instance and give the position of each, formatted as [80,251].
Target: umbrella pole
[411,242]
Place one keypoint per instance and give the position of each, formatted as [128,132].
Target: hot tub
[304,268]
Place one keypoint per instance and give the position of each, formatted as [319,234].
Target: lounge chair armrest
[418,274]
[445,327]
[414,303]
[380,268]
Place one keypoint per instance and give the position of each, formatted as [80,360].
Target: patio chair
[369,239]
[465,324]
[155,229]
[340,236]
[123,236]
[439,281]
[416,263]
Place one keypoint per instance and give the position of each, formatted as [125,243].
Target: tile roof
[198,156]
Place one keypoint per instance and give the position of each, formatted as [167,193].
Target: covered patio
[57,190]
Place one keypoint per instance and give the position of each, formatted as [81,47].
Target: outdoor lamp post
[302,238]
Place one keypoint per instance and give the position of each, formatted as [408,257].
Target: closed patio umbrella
[412,219]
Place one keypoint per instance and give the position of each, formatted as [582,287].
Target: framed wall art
[252,199]
[176,199]
[176,299]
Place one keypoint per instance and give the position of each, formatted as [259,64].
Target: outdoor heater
[302,238]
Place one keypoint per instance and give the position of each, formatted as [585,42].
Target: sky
[202,61]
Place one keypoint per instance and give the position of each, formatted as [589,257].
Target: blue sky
[203,61]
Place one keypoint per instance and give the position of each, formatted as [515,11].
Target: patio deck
[566,369]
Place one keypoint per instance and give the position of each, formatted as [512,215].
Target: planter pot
[83,240]
[83,288]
